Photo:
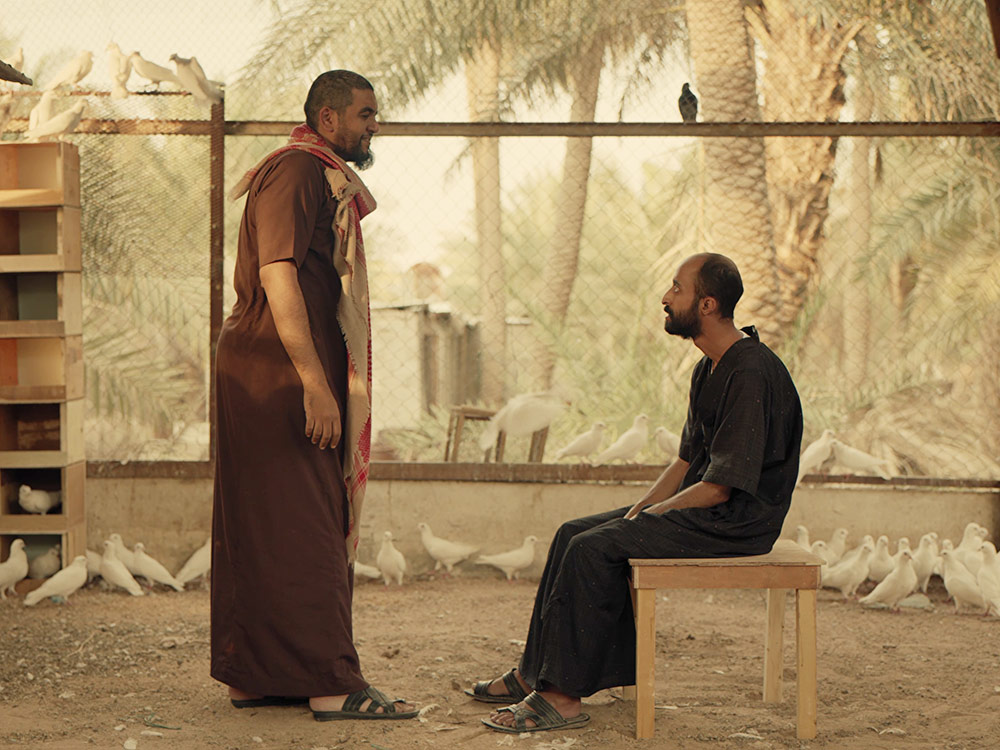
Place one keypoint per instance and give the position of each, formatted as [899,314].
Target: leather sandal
[515,693]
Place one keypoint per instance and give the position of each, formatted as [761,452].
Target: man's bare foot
[336,703]
[498,688]
[567,706]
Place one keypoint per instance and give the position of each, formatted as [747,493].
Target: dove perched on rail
[512,561]
[72,72]
[859,462]
[960,583]
[584,444]
[63,583]
[444,552]
[37,501]
[390,561]
[522,415]
[46,564]
[152,570]
[14,568]
[629,443]
[815,454]
[880,564]
[667,441]
[687,103]
[42,111]
[119,70]
[58,125]
[193,79]
[896,586]
[198,564]
[114,571]
[151,71]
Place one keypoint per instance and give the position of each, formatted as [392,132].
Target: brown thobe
[281,584]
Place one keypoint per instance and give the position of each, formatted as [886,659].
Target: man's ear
[328,118]
[708,305]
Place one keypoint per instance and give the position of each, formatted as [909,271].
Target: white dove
[114,571]
[815,454]
[629,443]
[522,415]
[837,544]
[802,537]
[193,79]
[37,501]
[924,559]
[14,568]
[584,444]
[123,553]
[198,564]
[514,560]
[46,564]
[903,543]
[852,553]
[93,564]
[667,441]
[819,548]
[59,125]
[444,552]
[859,462]
[880,564]
[152,570]
[988,578]
[946,544]
[119,70]
[365,571]
[390,561]
[961,584]
[848,576]
[63,583]
[72,72]
[151,71]
[43,111]
[897,585]
[967,551]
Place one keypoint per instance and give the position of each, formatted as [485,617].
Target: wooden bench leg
[773,639]
[805,636]
[645,649]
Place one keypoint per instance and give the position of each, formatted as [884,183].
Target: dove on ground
[198,564]
[37,501]
[896,586]
[924,559]
[854,552]
[63,583]
[584,444]
[365,571]
[46,564]
[42,111]
[946,544]
[59,125]
[880,564]
[119,70]
[848,576]
[14,568]
[72,72]
[859,462]
[522,415]
[960,583]
[820,549]
[837,545]
[93,564]
[802,537]
[444,552]
[629,443]
[815,454]
[193,79]
[512,561]
[967,551]
[152,570]
[687,103]
[903,543]
[390,561]
[667,441]
[988,578]
[114,571]
[151,71]
[123,553]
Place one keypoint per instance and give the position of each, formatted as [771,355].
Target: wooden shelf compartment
[41,369]
[66,480]
[72,540]
[39,174]
[41,435]
[40,305]
[39,239]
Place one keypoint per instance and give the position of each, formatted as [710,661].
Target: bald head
[716,276]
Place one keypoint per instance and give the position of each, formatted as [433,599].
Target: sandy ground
[108,668]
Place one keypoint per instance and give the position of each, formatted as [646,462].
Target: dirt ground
[107,668]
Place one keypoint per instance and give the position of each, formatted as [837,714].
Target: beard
[685,324]
[358,156]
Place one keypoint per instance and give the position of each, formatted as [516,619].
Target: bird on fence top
[859,462]
[687,103]
[585,443]
[629,443]
[390,561]
[72,72]
[522,415]
[62,584]
[58,125]
[667,441]
[45,564]
[444,552]
[42,111]
[119,70]
[815,454]
[194,80]
[151,71]
[896,586]
[512,561]
[152,570]
[14,568]
[114,571]
[198,564]
[36,501]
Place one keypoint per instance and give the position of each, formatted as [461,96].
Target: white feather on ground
[988,578]
[198,564]
[390,561]
[584,444]
[961,584]
[72,72]
[444,552]
[815,454]
[58,125]
[14,568]
[512,561]
[629,443]
[152,570]
[114,571]
[859,462]
[63,583]
[46,564]
[667,441]
[896,586]
[37,501]
[880,564]
[522,415]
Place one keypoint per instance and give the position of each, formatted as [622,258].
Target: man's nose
[374,127]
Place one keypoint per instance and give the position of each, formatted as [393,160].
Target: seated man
[726,494]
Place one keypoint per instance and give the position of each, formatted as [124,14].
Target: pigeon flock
[47,123]
[827,450]
[970,571]
[118,566]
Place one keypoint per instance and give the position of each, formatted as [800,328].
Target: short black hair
[333,89]
[719,278]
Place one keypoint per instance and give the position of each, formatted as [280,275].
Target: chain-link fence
[534,260]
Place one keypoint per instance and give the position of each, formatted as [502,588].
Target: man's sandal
[515,693]
[540,711]
[354,701]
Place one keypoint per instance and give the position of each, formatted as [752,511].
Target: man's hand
[637,509]
[322,416]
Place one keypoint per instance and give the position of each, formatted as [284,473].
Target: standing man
[293,384]
[726,494]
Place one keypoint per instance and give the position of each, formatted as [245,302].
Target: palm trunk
[737,212]
[482,85]
[560,271]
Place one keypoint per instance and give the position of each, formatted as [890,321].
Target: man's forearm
[698,495]
[288,308]
[667,483]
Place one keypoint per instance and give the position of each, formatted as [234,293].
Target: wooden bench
[784,568]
